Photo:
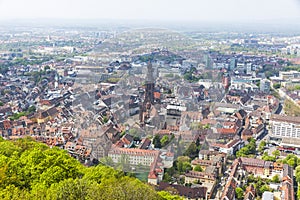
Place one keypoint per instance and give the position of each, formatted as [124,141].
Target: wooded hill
[32,170]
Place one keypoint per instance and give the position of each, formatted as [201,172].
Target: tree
[276,85]
[12,192]
[167,196]
[276,153]
[198,142]
[156,141]
[261,146]
[72,189]
[263,189]
[198,168]
[206,126]
[239,193]
[291,162]
[167,178]
[276,179]
[183,159]
[186,167]
[105,119]
[179,146]
[30,170]
[183,164]
[32,109]
[47,67]
[192,151]
[266,157]
[247,150]
[164,140]
[107,161]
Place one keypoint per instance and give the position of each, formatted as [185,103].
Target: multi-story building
[229,190]
[207,180]
[289,75]
[285,126]
[257,166]
[134,156]
[193,176]
[265,85]
[233,63]
[229,148]
[226,80]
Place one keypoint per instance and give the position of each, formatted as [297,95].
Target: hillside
[31,170]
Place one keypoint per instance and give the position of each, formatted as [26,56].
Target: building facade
[133,156]
[285,126]
[265,85]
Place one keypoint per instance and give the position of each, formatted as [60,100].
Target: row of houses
[259,168]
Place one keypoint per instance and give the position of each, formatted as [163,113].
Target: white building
[265,85]
[249,68]
[290,75]
[268,196]
[133,156]
[285,126]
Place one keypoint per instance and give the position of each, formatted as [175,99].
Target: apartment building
[134,156]
[285,126]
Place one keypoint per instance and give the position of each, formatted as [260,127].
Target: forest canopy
[32,170]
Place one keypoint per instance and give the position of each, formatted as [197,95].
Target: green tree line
[32,170]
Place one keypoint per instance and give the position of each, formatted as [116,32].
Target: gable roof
[191,193]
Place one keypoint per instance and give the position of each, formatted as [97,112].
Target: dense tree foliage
[276,179]
[183,164]
[267,157]
[164,140]
[156,141]
[276,85]
[260,184]
[293,161]
[166,195]
[248,150]
[180,166]
[31,170]
[262,146]
[297,173]
[192,151]
[239,193]
[198,168]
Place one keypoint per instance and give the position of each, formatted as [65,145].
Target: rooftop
[288,119]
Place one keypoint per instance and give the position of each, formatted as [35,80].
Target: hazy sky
[196,10]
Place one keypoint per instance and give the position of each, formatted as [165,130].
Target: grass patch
[291,109]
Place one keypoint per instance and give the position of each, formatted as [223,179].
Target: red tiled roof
[137,152]
[152,175]
[170,154]
[194,174]
[164,132]
[253,162]
[226,130]
[157,95]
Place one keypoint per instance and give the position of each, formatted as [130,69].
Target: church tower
[146,105]
[149,92]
